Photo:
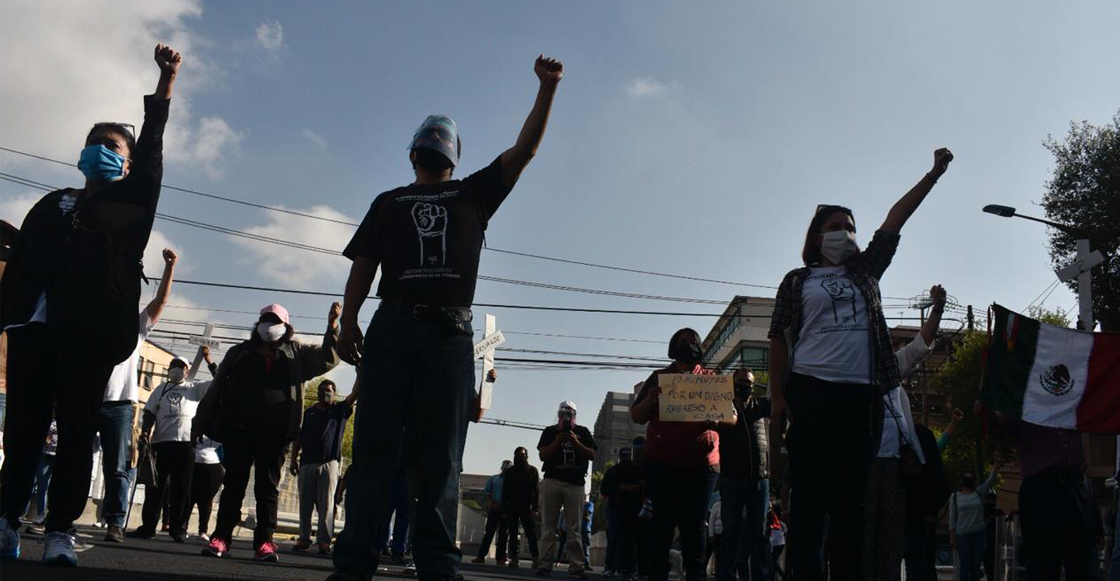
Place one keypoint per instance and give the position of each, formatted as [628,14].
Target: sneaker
[409,569]
[115,534]
[141,533]
[204,537]
[324,548]
[9,541]
[216,548]
[266,552]
[179,537]
[478,560]
[301,545]
[59,549]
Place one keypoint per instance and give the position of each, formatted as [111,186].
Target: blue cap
[438,133]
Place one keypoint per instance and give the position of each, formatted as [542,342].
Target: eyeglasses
[830,208]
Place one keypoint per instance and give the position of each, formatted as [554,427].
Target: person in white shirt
[885,501]
[117,415]
[170,410]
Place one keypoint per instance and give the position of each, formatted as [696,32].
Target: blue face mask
[99,163]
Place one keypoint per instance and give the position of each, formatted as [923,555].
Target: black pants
[204,486]
[521,516]
[41,376]
[831,445]
[1057,519]
[495,523]
[680,501]
[920,549]
[245,450]
[174,470]
[630,542]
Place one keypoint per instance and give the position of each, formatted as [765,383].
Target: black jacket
[88,259]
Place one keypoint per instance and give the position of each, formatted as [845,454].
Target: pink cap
[277,310]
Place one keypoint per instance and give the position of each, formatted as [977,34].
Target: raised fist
[938,295]
[334,313]
[941,159]
[167,59]
[549,70]
[431,226]
[169,256]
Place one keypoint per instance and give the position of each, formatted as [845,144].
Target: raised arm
[155,308]
[362,272]
[319,359]
[987,485]
[904,207]
[514,159]
[168,61]
[356,391]
[933,323]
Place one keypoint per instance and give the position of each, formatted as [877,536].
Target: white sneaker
[59,549]
[9,541]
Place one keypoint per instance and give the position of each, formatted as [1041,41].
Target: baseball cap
[277,310]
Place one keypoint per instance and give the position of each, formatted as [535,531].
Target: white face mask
[176,374]
[271,333]
[838,246]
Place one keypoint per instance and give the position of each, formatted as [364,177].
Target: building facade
[614,429]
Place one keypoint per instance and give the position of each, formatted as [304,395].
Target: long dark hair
[681,335]
[811,252]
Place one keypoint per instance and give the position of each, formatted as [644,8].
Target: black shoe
[115,534]
[179,537]
[141,533]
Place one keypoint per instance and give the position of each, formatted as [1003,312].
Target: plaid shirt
[864,269]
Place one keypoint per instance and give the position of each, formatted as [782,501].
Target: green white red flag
[1052,376]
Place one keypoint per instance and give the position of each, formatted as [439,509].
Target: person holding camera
[566,450]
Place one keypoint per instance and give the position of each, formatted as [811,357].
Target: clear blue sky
[689,138]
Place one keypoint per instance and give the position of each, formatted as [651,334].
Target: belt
[424,312]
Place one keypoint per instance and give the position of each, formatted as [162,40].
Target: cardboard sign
[696,398]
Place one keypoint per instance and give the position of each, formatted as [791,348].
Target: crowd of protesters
[862,493]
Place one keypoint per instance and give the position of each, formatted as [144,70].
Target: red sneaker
[216,548]
[266,552]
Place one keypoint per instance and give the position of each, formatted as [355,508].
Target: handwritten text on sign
[696,398]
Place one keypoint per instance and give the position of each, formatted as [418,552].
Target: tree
[599,518]
[1084,192]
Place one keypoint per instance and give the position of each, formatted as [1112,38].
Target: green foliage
[1084,192]
[1058,317]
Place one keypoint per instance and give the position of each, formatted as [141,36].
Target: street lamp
[1080,268]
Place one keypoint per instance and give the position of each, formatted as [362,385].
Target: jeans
[245,450]
[831,446]
[317,483]
[680,500]
[114,423]
[521,516]
[585,536]
[556,495]
[396,520]
[424,389]
[495,523]
[174,470]
[41,375]
[1055,511]
[42,482]
[745,540]
[970,552]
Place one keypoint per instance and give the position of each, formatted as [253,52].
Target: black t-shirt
[567,465]
[614,478]
[260,398]
[320,439]
[427,238]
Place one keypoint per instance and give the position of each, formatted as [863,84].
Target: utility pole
[979,443]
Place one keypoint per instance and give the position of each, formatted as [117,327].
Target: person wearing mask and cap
[566,449]
[495,520]
[320,441]
[681,466]
[520,496]
[830,361]
[170,410]
[74,271]
[426,238]
[254,409]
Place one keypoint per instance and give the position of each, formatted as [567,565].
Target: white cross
[484,349]
[1081,268]
[204,340]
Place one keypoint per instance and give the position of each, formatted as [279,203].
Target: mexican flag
[1052,376]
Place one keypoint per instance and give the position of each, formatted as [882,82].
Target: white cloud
[270,35]
[215,140]
[642,87]
[66,69]
[13,209]
[297,268]
[318,140]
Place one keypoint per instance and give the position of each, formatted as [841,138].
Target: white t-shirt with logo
[175,406]
[835,339]
[124,383]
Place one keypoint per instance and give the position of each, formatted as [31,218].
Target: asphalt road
[164,560]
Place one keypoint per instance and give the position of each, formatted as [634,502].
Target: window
[621,408]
